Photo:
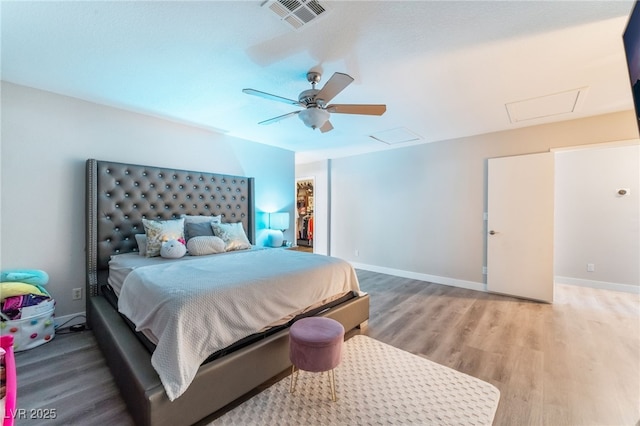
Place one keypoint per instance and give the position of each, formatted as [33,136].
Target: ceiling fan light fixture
[316,112]
[314,117]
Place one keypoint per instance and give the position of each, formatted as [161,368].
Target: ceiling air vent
[296,13]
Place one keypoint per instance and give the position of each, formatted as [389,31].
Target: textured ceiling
[445,69]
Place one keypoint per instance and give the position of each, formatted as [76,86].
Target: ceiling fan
[316,112]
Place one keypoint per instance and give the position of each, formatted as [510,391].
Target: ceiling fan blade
[326,127]
[278,118]
[335,85]
[357,109]
[272,97]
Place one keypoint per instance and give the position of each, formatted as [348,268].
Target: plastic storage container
[34,328]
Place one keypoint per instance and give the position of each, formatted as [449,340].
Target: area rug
[376,384]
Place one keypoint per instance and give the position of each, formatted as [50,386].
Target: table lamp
[278,222]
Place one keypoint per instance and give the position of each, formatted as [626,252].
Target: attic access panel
[395,136]
[546,106]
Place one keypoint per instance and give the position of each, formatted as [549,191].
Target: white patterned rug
[376,384]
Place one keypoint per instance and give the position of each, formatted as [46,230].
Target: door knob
[492,232]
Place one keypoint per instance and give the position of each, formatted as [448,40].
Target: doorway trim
[313,183]
[613,144]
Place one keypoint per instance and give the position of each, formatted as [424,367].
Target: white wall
[594,224]
[46,139]
[418,211]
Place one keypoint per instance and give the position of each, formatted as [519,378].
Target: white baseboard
[470,285]
[73,319]
[626,288]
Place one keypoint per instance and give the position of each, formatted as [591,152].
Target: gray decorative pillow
[199,246]
[202,229]
[232,234]
[198,219]
[141,239]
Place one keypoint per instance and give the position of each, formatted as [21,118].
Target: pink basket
[6,342]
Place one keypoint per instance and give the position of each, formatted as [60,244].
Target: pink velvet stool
[315,345]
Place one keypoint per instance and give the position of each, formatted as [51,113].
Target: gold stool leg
[294,382]
[332,382]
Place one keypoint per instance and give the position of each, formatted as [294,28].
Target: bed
[118,197]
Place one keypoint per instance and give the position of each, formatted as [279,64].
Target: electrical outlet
[76,293]
[357,252]
[591,267]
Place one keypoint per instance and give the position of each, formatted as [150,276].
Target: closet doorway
[305,213]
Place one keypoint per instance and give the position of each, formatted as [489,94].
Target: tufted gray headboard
[119,196]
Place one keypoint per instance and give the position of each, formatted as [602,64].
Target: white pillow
[232,234]
[159,231]
[172,249]
[141,239]
[199,246]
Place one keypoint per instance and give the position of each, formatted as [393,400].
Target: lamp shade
[279,221]
[313,117]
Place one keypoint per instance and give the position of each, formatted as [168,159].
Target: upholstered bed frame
[118,196]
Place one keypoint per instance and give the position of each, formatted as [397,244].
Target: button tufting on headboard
[119,196]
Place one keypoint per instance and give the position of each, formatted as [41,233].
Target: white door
[520,226]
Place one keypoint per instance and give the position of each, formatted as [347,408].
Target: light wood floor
[576,362]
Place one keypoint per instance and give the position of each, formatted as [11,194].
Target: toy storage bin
[11,384]
[34,328]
